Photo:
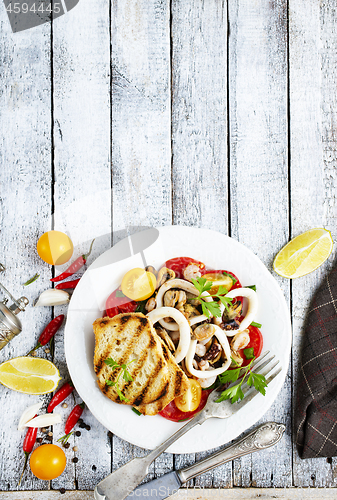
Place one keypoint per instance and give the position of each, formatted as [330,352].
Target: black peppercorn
[77,433]
[75,460]
[62,491]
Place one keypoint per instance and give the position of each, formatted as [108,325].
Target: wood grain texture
[25,213]
[195,494]
[199,113]
[313,170]
[259,177]
[82,187]
[141,138]
[199,132]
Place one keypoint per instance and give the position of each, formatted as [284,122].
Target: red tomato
[221,271]
[171,412]
[256,342]
[117,305]
[179,264]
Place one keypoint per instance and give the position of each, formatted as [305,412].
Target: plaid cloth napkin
[316,404]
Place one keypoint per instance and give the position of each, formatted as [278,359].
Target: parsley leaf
[231,277]
[257,325]
[137,412]
[141,307]
[31,280]
[259,382]
[126,376]
[235,392]
[212,307]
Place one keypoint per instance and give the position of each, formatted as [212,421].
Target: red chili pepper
[67,284]
[48,332]
[60,396]
[28,445]
[75,266]
[73,417]
[71,422]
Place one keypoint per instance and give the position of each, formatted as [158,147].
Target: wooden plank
[313,172]
[82,190]
[195,494]
[141,137]
[199,113]
[199,133]
[25,201]
[259,178]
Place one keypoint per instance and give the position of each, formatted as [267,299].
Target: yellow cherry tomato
[55,247]
[190,400]
[138,284]
[48,461]
[218,279]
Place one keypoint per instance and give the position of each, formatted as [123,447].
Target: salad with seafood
[206,319]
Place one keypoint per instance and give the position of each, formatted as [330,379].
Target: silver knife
[262,437]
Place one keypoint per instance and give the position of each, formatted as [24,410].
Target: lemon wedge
[303,254]
[29,375]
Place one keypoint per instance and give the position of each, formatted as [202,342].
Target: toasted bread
[131,338]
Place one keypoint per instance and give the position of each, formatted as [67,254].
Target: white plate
[154,247]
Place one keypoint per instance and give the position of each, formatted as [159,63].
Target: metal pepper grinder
[10,325]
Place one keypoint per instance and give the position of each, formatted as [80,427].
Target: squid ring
[221,336]
[182,323]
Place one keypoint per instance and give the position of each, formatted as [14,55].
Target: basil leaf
[119,293]
[252,287]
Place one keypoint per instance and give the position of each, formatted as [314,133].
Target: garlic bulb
[44,420]
[53,297]
[28,414]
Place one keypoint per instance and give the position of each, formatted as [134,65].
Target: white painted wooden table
[146,113]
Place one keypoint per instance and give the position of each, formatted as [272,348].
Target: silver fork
[121,482]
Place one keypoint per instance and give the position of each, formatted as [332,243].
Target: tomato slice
[179,264]
[116,304]
[235,285]
[171,412]
[256,342]
[190,400]
[138,284]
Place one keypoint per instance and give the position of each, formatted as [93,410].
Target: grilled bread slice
[131,338]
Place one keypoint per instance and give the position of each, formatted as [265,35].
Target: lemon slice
[303,254]
[29,375]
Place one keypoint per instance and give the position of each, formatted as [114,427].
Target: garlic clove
[53,297]
[44,420]
[28,414]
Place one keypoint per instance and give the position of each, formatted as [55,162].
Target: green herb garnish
[119,293]
[231,277]
[126,376]
[141,307]
[235,392]
[137,412]
[31,280]
[249,352]
[213,307]
[253,287]
[257,325]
